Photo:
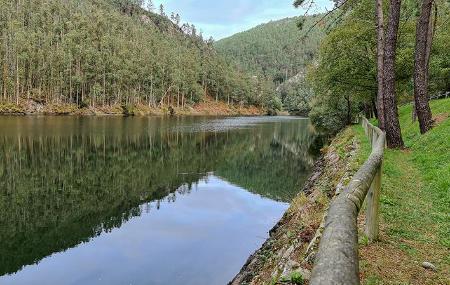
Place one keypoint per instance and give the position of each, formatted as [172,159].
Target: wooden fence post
[373,207]
[374,138]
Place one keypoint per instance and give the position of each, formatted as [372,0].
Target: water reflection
[69,181]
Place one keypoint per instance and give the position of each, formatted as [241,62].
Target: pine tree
[424,38]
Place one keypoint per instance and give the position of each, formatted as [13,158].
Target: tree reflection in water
[66,180]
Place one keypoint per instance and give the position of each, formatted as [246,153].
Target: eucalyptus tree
[380,62]
[391,121]
[424,39]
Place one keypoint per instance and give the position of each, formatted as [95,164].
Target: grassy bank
[415,205]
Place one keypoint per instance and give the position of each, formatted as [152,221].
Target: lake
[143,200]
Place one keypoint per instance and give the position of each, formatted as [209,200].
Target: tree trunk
[413,113]
[349,111]
[374,108]
[423,48]
[17,81]
[392,124]
[368,111]
[380,63]
[431,31]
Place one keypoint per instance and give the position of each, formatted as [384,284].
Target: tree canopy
[344,73]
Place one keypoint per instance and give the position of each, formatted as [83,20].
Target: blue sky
[222,18]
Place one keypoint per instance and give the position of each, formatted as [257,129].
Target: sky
[223,18]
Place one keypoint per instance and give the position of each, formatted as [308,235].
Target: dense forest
[278,52]
[275,50]
[112,52]
[66,180]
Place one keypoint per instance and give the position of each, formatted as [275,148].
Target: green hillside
[277,50]
[110,52]
[280,52]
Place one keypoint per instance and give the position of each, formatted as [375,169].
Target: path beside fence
[337,259]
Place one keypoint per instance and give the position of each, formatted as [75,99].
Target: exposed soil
[438,119]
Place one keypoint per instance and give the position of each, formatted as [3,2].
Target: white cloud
[223,18]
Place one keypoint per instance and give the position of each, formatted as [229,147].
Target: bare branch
[328,13]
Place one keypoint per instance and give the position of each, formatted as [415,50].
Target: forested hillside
[278,51]
[275,50]
[111,52]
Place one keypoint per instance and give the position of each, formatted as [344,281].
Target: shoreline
[411,181]
[247,272]
[205,108]
[290,250]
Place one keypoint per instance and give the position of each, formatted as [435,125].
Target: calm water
[154,201]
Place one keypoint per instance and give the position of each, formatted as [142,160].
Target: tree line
[106,52]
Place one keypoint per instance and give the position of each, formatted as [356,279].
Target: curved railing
[337,259]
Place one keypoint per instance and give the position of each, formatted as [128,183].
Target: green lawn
[415,205]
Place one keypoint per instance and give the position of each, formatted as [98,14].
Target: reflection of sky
[202,238]
[222,18]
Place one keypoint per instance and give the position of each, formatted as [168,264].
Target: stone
[306,274]
[334,158]
[288,252]
[145,19]
[292,264]
[429,266]
[311,257]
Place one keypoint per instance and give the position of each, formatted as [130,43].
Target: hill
[279,52]
[110,53]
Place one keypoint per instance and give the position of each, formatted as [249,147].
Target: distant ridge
[276,50]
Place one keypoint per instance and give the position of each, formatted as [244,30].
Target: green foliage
[107,52]
[297,278]
[344,76]
[10,108]
[373,280]
[296,95]
[345,73]
[128,110]
[275,50]
[294,277]
[440,59]
[329,114]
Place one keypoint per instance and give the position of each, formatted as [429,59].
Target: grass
[415,205]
